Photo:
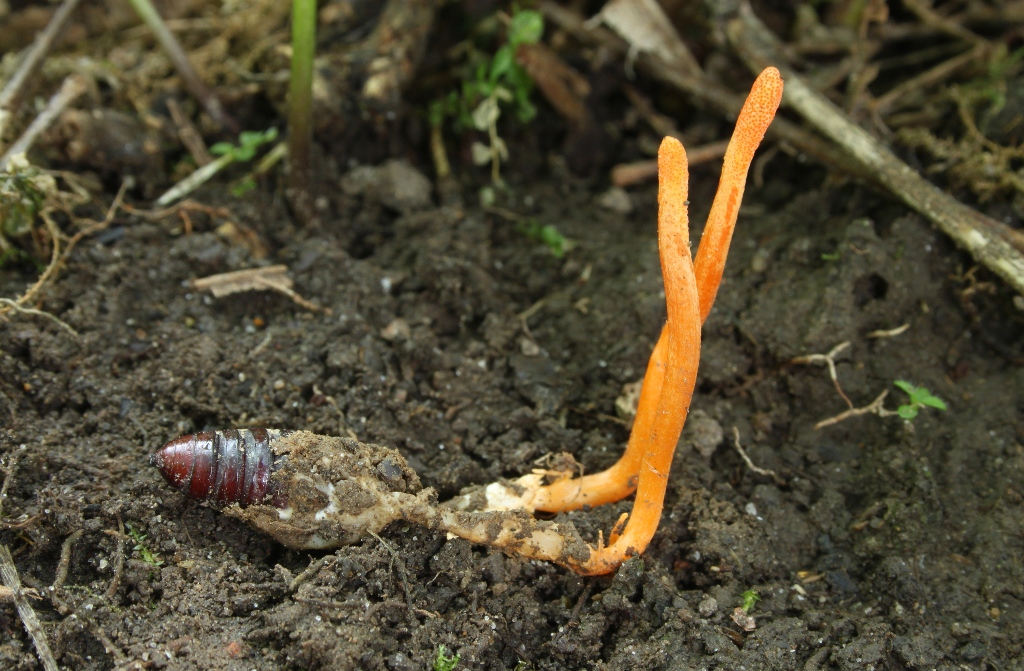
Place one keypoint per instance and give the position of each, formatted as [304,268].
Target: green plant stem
[300,108]
[169,43]
[195,180]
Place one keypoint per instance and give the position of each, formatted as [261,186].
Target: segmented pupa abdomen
[223,467]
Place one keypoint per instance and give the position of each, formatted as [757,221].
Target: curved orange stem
[621,479]
[755,117]
[682,334]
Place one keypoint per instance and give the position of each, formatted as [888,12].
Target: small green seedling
[750,599]
[442,662]
[248,143]
[494,83]
[147,555]
[548,234]
[919,398]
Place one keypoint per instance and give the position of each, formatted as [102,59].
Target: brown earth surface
[469,347]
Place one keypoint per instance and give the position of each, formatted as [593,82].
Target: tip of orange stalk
[673,189]
[673,172]
[760,107]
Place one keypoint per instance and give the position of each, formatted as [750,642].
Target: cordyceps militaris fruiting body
[311,491]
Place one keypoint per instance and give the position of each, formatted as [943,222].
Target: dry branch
[73,86]
[9,574]
[699,88]
[996,246]
[274,278]
[14,89]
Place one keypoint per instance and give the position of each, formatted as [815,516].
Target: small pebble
[528,347]
[616,199]
[398,329]
[278,385]
[708,606]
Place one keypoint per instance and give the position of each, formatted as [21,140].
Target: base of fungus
[337,493]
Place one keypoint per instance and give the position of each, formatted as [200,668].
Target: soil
[879,544]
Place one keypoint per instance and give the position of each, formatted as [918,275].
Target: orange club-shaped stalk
[690,290]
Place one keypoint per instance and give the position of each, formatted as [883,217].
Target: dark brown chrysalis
[221,467]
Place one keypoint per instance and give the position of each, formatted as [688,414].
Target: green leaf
[525,111]
[243,186]
[527,27]
[555,241]
[245,153]
[905,386]
[504,61]
[222,148]
[907,412]
[442,662]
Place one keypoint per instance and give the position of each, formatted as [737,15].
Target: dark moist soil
[882,544]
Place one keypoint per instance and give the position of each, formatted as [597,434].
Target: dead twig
[73,86]
[699,88]
[274,278]
[574,617]
[627,174]
[933,19]
[750,464]
[183,206]
[189,134]
[930,77]
[169,43]
[115,582]
[256,351]
[9,574]
[828,360]
[646,27]
[309,571]
[401,568]
[65,560]
[13,90]
[993,244]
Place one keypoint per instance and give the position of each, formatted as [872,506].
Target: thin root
[750,464]
[830,361]
[873,408]
[38,313]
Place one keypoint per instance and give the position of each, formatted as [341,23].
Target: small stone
[744,619]
[703,432]
[398,329]
[708,606]
[528,347]
[759,263]
[278,385]
[615,199]
[628,400]
[396,184]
